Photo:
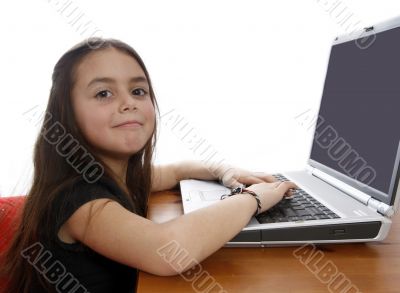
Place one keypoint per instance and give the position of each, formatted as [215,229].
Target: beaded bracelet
[238,190]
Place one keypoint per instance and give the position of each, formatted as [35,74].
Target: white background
[237,72]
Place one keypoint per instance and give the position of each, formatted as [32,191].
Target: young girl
[83,227]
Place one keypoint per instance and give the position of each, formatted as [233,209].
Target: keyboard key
[303,213]
[300,207]
[288,212]
[266,220]
[313,210]
[333,215]
[309,217]
[323,217]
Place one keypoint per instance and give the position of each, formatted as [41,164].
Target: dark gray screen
[357,133]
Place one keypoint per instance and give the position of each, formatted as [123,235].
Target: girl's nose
[128,102]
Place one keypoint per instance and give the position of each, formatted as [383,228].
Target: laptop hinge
[381,207]
[360,196]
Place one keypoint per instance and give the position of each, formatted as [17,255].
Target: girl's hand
[272,193]
[233,177]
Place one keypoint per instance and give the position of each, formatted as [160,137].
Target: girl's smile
[130,124]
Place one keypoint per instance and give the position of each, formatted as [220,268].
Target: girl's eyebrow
[111,80]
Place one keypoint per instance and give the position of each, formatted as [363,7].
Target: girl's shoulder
[79,191]
[82,191]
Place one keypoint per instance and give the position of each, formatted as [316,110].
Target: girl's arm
[164,177]
[113,231]
[168,176]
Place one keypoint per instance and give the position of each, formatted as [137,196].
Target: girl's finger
[285,186]
[250,179]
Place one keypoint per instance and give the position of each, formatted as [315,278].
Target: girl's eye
[135,91]
[103,94]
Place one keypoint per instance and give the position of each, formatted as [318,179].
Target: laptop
[349,188]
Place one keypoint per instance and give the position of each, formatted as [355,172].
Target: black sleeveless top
[87,269]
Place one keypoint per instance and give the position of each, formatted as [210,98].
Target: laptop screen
[357,130]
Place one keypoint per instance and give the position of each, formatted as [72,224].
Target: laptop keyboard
[299,207]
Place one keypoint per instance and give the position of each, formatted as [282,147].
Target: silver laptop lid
[356,138]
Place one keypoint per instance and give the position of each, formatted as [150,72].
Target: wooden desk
[371,267]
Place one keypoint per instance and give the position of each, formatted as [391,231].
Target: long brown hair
[53,173]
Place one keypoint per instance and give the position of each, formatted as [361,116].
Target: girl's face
[110,89]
